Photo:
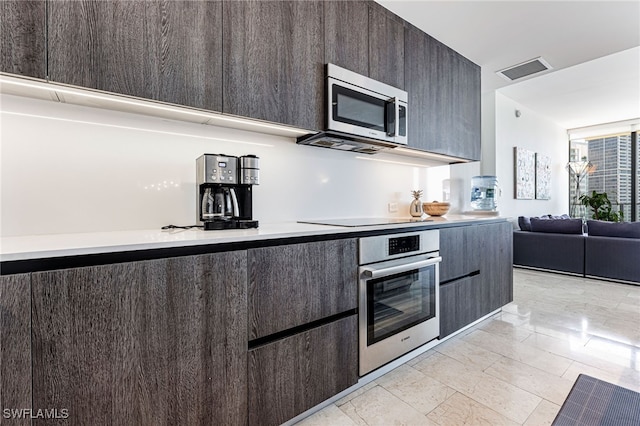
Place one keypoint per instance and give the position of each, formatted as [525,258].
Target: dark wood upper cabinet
[147,343]
[23,37]
[444,97]
[386,46]
[169,51]
[346,35]
[15,344]
[274,61]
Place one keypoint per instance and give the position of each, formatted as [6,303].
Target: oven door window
[359,109]
[398,302]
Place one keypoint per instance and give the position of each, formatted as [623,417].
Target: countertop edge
[60,258]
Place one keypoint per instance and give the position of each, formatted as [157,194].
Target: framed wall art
[543,177]
[525,174]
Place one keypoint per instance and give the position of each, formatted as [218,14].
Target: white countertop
[57,245]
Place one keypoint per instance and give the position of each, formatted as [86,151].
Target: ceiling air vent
[524,69]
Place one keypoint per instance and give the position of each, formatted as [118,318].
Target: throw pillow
[613,229]
[524,223]
[557,226]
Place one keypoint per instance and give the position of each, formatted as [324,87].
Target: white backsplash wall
[68,168]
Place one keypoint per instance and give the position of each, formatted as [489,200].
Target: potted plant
[601,206]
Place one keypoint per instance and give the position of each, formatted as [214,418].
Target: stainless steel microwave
[362,106]
[363,115]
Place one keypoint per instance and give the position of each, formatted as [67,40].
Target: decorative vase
[415,209]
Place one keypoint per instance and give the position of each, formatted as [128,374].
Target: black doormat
[594,402]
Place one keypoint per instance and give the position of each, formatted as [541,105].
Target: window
[606,164]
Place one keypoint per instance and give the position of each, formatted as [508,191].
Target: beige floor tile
[548,386]
[505,329]
[420,357]
[520,352]
[355,393]
[623,377]
[543,415]
[461,410]
[468,354]
[330,415]
[416,389]
[378,407]
[502,397]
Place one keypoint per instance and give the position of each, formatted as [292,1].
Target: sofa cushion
[613,229]
[557,226]
[524,223]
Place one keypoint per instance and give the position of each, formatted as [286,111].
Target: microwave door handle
[393,111]
[376,273]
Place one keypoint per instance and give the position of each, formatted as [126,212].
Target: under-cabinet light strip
[88,93]
[392,162]
[140,129]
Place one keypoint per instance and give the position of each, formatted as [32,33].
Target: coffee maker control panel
[219,169]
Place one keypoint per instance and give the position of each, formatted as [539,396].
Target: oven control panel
[408,244]
[379,248]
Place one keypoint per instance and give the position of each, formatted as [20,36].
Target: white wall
[67,168]
[535,133]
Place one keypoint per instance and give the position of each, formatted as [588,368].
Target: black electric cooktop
[367,221]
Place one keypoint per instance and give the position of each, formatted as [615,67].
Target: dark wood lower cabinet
[476,272]
[296,284]
[461,303]
[146,343]
[497,264]
[291,375]
[15,346]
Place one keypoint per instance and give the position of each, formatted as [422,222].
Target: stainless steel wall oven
[398,295]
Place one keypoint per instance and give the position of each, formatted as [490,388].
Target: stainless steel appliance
[363,115]
[224,191]
[398,295]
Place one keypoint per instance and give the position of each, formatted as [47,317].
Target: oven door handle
[376,273]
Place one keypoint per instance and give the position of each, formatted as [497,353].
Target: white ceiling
[593,47]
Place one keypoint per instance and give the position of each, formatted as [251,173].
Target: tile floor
[515,368]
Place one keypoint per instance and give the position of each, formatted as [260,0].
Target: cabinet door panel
[154,342]
[461,303]
[164,50]
[22,37]
[296,284]
[289,376]
[386,46]
[460,251]
[274,61]
[444,97]
[15,344]
[345,35]
[497,264]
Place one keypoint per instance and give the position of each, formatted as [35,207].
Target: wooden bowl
[435,208]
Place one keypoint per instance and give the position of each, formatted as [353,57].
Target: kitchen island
[230,327]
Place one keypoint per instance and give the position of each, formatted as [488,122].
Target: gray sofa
[614,256]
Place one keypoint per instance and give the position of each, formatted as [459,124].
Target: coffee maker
[224,191]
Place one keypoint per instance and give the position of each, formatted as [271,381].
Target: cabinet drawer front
[296,284]
[289,376]
[461,303]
